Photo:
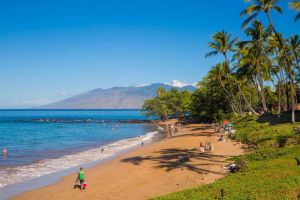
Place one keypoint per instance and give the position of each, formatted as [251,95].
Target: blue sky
[50,50]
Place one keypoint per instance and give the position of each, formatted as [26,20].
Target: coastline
[149,171]
[112,150]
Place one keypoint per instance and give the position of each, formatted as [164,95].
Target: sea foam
[17,174]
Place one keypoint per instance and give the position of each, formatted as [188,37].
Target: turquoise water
[40,142]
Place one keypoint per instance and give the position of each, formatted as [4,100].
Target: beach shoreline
[130,144]
[149,171]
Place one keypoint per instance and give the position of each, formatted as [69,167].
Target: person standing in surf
[4,153]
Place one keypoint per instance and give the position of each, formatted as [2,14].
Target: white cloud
[141,85]
[65,94]
[176,83]
[195,84]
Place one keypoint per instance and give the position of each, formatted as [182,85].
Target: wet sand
[149,171]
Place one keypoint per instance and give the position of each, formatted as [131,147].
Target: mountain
[113,98]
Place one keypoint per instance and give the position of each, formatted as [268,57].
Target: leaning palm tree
[219,73]
[296,6]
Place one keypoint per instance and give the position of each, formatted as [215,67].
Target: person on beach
[80,178]
[4,153]
[102,150]
[201,147]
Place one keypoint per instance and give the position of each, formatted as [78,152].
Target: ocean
[42,142]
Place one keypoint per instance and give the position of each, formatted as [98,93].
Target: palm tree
[266,6]
[279,71]
[218,74]
[258,6]
[252,66]
[294,44]
[296,6]
[258,36]
[222,43]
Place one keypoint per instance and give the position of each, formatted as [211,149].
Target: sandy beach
[149,171]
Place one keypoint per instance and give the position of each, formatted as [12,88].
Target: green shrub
[281,141]
[265,153]
[298,140]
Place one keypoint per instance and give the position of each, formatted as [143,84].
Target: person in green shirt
[80,177]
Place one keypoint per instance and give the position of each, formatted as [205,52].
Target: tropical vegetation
[257,87]
[258,75]
[168,103]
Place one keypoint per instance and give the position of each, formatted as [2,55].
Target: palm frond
[253,9]
[295,5]
[213,45]
[278,9]
[243,13]
[212,53]
[297,17]
[232,42]
[248,20]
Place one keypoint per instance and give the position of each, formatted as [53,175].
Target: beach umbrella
[225,122]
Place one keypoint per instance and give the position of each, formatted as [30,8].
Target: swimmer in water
[4,153]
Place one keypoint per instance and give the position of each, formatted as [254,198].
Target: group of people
[221,138]
[207,147]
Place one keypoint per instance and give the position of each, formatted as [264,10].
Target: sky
[54,49]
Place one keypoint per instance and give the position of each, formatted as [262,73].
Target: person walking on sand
[80,177]
[201,149]
[102,150]
[4,153]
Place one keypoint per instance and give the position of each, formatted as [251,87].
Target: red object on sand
[225,122]
[84,185]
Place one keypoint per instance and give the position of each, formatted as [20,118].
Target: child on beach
[80,178]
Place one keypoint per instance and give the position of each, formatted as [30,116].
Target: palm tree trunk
[279,100]
[262,92]
[230,99]
[287,64]
[246,100]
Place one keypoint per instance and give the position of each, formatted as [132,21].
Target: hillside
[113,98]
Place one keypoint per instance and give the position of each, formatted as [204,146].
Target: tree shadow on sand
[202,134]
[168,160]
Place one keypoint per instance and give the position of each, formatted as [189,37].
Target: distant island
[131,97]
